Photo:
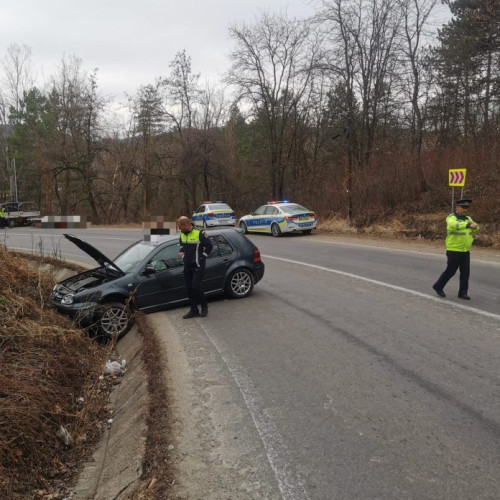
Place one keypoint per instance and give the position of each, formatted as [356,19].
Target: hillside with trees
[357,113]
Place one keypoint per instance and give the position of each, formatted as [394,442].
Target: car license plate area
[305,224]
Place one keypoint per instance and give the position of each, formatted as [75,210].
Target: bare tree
[272,65]
[77,107]
[415,19]
[360,38]
[17,77]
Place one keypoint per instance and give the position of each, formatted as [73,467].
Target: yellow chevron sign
[457,177]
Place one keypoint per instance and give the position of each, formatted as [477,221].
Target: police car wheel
[240,284]
[275,230]
[243,226]
[114,321]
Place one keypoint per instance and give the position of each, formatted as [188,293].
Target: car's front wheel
[243,226]
[240,284]
[114,320]
[275,230]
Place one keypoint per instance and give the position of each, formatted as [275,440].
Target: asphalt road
[343,376]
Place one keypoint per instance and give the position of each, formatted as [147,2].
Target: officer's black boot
[204,311]
[192,313]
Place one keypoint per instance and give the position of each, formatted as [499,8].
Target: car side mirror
[149,270]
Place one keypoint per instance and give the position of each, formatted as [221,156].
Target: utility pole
[13,179]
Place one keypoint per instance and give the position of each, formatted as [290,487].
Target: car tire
[243,227]
[114,320]
[307,231]
[240,283]
[275,230]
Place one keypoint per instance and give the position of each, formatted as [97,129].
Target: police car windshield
[219,206]
[293,209]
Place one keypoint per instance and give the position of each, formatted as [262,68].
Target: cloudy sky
[131,42]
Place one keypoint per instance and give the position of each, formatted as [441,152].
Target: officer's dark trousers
[193,278]
[456,260]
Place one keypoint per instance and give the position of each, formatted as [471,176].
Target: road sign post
[456,178]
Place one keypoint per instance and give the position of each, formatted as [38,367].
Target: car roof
[217,203]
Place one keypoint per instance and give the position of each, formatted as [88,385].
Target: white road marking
[83,237]
[290,484]
[388,285]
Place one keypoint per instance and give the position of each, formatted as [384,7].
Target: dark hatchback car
[149,276]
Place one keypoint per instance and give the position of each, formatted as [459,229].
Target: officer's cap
[463,202]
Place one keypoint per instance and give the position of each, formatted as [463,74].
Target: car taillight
[314,215]
[256,256]
[210,214]
[291,218]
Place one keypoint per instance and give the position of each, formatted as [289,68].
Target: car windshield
[219,206]
[294,209]
[129,259]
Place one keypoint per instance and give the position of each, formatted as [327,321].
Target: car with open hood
[149,276]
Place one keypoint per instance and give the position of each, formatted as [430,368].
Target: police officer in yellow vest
[195,247]
[459,237]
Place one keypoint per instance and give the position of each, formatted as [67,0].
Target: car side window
[166,258]
[271,210]
[215,248]
[260,210]
[200,209]
[221,246]
[224,246]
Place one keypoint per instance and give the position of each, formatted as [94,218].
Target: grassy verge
[429,227]
[52,398]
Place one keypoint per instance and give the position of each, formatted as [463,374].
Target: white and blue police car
[214,214]
[277,217]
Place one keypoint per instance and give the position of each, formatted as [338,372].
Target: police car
[214,213]
[279,217]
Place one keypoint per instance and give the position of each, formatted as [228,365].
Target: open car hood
[93,252]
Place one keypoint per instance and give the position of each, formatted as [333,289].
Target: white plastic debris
[113,368]
[64,435]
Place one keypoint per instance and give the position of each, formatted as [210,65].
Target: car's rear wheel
[307,231]
[244,227]
[114,321]
[240,284]
[275,230]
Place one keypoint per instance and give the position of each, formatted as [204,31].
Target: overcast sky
[131,42]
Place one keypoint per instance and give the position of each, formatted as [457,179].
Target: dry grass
[409,226]
[157,477]
[49,378]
